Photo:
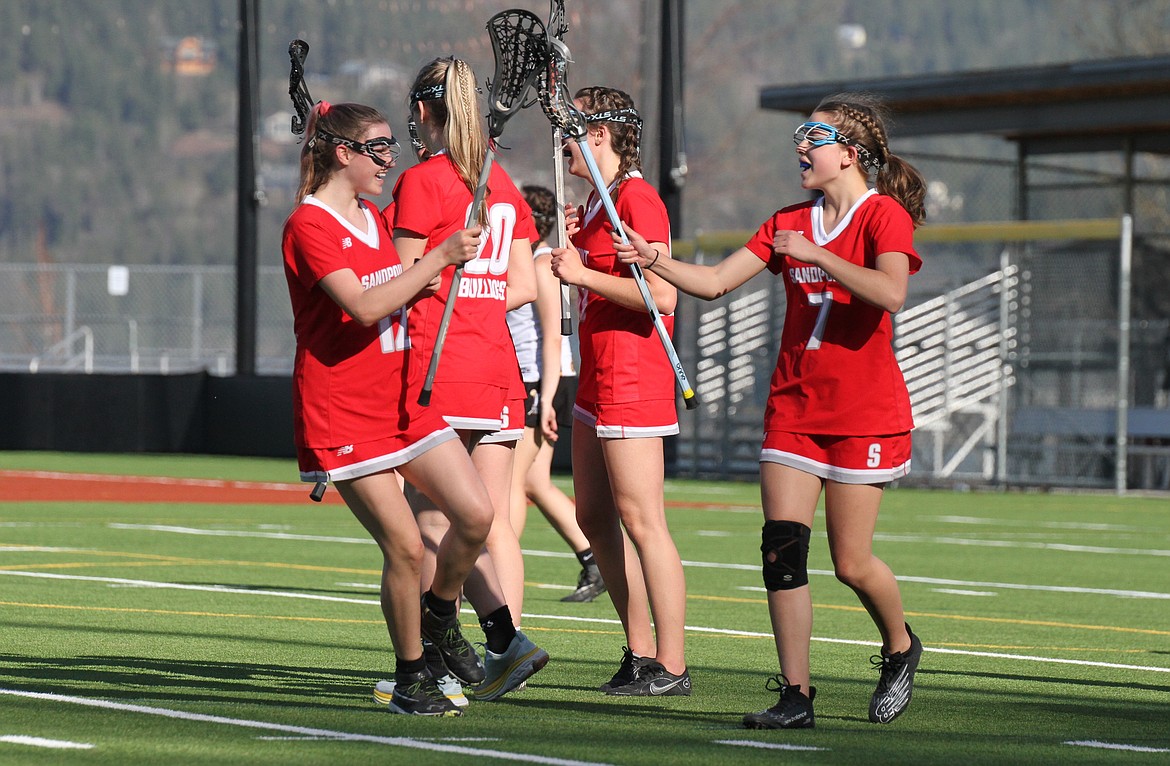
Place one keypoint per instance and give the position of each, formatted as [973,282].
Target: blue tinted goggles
[818,134]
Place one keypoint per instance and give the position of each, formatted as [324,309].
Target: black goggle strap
[428,93]
[366,148]
[626,116]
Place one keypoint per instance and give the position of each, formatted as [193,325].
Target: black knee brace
[785,549]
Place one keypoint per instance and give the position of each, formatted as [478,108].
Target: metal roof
[1085,106]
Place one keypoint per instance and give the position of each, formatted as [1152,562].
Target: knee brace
[785,549]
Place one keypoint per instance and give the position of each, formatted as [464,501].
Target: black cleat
[419,694]
[793,711]
[627,672]
[654,680]
[457,652]
[589,585]
[896,683]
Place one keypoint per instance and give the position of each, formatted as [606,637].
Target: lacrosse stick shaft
[424,397]
[689,398]
[559,188]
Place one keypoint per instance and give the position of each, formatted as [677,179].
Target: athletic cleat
[589,586]
[627,672]
[507,671]
[792,711]
[654,680]
[457,653]
[419,695]
[448,685]
[896,683]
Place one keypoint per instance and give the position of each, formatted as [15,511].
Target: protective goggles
[823,134]
[415,142]
[383,151]
[819,134]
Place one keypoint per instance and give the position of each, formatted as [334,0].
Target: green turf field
[251,634]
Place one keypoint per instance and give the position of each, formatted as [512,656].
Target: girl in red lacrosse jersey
[838,417]
[357,422]
[625,403]
[477,386]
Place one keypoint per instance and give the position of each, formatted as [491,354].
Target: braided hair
[318,157]
[447,84]
[863,119]
[544,208]
[625,138]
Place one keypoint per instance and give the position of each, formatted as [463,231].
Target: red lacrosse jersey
[622,359]
[836,373]
[431,199]
[350,382]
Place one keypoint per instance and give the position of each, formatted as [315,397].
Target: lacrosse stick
[297,90]
[558,107]
[557,27]
[303,104]
[518,42]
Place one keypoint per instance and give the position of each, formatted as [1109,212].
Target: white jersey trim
[817,213]
[833,472]
[369,237]
[382,462]
[623,432]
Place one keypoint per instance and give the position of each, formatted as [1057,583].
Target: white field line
[301,730]
[1112,746]
[1062,547]
[52,744]
[686,563]
[565,618]
[766,745]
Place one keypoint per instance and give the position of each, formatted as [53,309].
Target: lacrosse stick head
[555,99]
[297,90]
[557,24]
[518,42]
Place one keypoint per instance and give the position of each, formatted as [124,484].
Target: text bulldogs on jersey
[476,287]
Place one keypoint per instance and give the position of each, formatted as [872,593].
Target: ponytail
[453,107]
[863,118]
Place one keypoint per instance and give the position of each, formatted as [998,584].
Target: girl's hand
[461,246]
[548,422]
[638,251]
[795,245]
[567,265]
[573,217]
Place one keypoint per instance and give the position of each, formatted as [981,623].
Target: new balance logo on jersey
[345,450]
[346,242]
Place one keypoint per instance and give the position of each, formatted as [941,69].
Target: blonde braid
[464,129]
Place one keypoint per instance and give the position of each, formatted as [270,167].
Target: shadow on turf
[1078,683]
[146,678]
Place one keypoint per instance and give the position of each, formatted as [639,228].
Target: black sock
[404,668]
[498,629]
[586,558]
[439,606]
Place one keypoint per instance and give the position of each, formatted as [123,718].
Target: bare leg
[494,464]
[377,502]
[525,453]
[790,495]
[851,512]
[598,518]
[556,506]
[635,469]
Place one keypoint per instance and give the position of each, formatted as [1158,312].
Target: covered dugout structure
[1079,411]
